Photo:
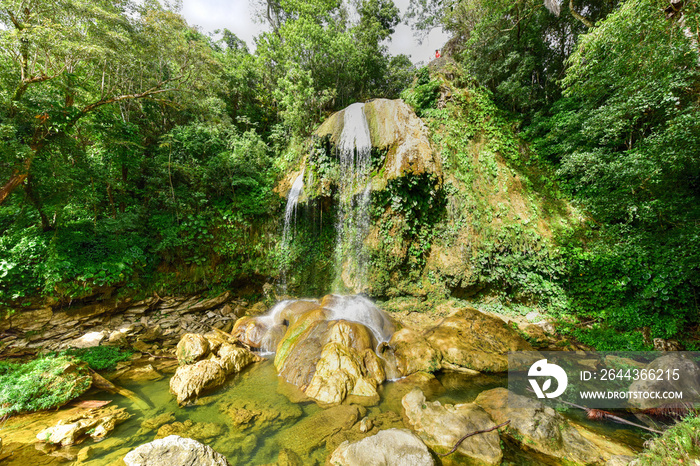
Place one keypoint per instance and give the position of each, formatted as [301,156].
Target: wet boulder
[174,450]
[191,380]
[413,353]
[441,427]
[391,447]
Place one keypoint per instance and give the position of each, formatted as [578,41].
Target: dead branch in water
[459,442]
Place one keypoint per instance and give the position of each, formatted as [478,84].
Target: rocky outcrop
[669,365]
[94,423]
[540,428]
[476,341]
[174,450]
[191,380]
[116,321]
[396,130]
[442,426]
[391,447]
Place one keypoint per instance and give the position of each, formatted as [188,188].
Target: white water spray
[290,221]
[352,224]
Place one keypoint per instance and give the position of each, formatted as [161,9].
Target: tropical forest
[298,246]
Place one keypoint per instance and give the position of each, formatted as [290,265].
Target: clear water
[277,423]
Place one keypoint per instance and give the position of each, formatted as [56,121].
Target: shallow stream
[252,422]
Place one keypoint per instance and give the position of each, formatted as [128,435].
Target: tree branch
[587,22]
[459,442]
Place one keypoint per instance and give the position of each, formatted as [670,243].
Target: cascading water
[352,224]
[290,220]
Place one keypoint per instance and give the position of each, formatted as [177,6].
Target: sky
[237,16]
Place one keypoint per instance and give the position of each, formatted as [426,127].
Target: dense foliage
[43,383]
[138,153]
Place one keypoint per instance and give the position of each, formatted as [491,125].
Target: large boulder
[391,447]
[191,380]
[542,429]
[441,427]
[191,348]
[174,450]
[413,353]
[234,359]
[669,365]
[476,341]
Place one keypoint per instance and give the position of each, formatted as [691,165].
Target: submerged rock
[174,450]
[541,428]
[313,432]
[94,423]
[441,427]
[391,447]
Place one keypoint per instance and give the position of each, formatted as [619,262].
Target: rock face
[391,447]
[442,426]
[327,347]
[688,381]
[477,341]
[174,450]
[541,428]
[394,128]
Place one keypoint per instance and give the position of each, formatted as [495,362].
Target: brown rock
[442,426]
[476,341]
[191,380]
[413,353]
[191,348]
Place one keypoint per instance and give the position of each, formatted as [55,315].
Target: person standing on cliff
[437,53]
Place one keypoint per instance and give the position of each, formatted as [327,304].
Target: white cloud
[237,16]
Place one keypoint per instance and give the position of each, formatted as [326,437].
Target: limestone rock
[413,353]
[250,331]
[234,359]
[202,431]
[688,381]
[191,348]
[541,428]
[153,423]
[442,426]
[95,423]
[174,450]
[476,341]
[191,380]
[391,447]
[89,340]
[312,432]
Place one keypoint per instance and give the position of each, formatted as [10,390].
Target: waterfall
[290,221]
[352,224]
